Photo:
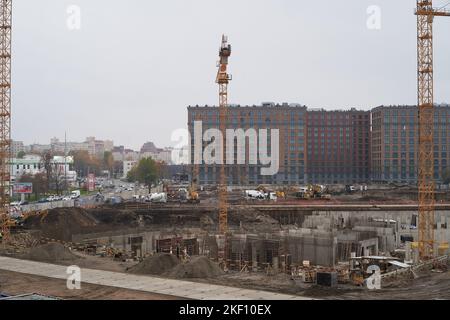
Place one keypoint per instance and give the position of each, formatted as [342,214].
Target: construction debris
[197,267]
[156,264]
[51,252]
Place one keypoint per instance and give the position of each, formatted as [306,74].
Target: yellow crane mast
[223,78]
[5,113]
[426,187]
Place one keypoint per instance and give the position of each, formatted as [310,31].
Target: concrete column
[436,248]
[254,258]
[408,251]
[275,264]
[416,255]
[352,265]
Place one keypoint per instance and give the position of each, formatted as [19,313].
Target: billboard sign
[91,182]
[23,188]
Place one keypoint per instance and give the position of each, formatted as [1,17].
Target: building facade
[289,120]
[98,147]
[315,145]
[16,148]
[32,164]
[395,136]
[127,166]
[62,147]
[338,146]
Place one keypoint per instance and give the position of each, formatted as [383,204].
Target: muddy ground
[13,283]
[429,285]
[62,223]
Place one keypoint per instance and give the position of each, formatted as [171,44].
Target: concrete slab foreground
[177,288]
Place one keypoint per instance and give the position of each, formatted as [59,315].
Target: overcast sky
[133,67]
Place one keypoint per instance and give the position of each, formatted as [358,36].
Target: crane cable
[445,5]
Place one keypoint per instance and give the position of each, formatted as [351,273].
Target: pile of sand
[61,223]
[50,252]
[157,264]
[198,267]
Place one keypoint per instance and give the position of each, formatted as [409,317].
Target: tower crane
[5,113]
[426,187]
[223,78]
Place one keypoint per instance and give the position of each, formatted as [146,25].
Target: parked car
[43,200]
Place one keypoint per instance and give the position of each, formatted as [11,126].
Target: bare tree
[47,164]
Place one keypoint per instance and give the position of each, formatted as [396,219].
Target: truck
[254,194]
[191,196]
[75,194]
[158,197]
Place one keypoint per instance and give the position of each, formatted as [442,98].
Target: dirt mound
[156,264]
[115,217]
[61,223]
[50,252]
[198,267]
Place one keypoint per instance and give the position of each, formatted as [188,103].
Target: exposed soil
[50,252]
[156,264]
[197,267]
[13,283]
[61,223]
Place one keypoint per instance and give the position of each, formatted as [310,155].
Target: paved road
[177,288]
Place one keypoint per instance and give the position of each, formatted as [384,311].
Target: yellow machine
[193,196]
[313,192]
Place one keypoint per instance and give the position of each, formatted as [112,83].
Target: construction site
[334,241]
[283,246]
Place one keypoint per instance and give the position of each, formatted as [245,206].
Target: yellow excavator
[192,196]
[314,192]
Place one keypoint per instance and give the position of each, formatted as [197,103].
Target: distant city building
[61,147]
[16,147]
[149,147]
[98,147]
[39,148]
[122,154]
[290,120]
[127,166]
[118,153]
[338,144]
[32,164]
[395,137]
[163,155]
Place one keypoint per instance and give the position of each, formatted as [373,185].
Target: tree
[47,163]
[145,171]
[84,163]
[39,182]
[21,155]
[108,161]
[162,169]
[118,169]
